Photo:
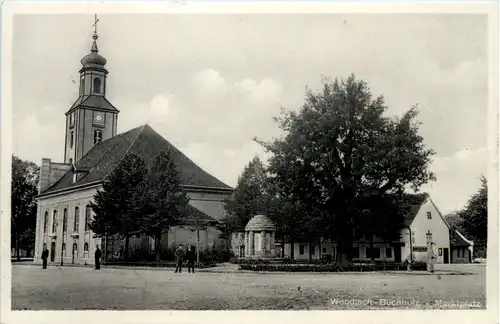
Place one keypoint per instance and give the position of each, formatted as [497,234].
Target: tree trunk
[157,238]
[319,249]
[283,246]
[292,249]
[372,255]
[310,250]
[127,241]
[18,256]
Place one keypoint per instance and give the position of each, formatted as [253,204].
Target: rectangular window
[355,252]
[388,252]
[71,139]
[324,250]
[373,253]
[429,215]
[440,251]
[97,136]
[301,249]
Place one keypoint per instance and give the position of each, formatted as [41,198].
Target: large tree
[250,197]
[161,199]
[475,218]
[341,154]
[24,189]
[115,206]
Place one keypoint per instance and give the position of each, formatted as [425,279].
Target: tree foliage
[250,197]
[114,206]
[475,218]
[161,199]
[25,177]
[346,163]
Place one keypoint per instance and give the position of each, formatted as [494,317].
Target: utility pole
[197,245]
[430,253]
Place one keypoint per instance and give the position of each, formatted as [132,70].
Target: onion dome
[260,223]
[93,59]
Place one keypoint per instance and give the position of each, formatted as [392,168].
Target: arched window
[97,85]
[71,139]
[97,136]
[86,247]
[87,217]
[77,219]
[54,221]
[65,220]
[45,222]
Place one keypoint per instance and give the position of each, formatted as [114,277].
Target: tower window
[71,119]
[97,85]
[429,215]
[82,85]
[71,139]
[97,136]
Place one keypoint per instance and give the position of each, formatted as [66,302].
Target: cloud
[458,177]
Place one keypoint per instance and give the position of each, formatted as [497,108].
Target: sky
[210,83]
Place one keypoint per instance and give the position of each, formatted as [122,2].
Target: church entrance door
[75,251]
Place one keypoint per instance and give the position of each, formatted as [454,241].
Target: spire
[93,59]
[95,36]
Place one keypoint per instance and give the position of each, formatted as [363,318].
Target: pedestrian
[45,255]
[179,256]
[97,258]
[190,257]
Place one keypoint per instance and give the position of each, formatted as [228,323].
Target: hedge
[329,267]
[161,264]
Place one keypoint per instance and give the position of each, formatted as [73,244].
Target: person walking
[190,257]
[179,256]
[45,255]
[97,258]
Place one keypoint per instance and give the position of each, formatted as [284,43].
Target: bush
[273,265]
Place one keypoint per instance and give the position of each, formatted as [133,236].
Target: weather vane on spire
[96,20]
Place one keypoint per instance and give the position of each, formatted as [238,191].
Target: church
[92,150]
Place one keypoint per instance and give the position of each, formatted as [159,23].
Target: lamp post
[430,254]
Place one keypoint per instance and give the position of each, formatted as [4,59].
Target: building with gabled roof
[93,149]
[423,218]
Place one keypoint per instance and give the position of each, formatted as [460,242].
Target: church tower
[92,118]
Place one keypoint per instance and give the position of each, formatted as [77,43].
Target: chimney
[44,175]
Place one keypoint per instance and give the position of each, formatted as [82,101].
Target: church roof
[94,102]
[105,156]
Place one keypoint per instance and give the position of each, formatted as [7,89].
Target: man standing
[97,258]
[45,255]
[190,257]
[179,255]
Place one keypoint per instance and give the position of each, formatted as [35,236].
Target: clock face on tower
[98,118]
